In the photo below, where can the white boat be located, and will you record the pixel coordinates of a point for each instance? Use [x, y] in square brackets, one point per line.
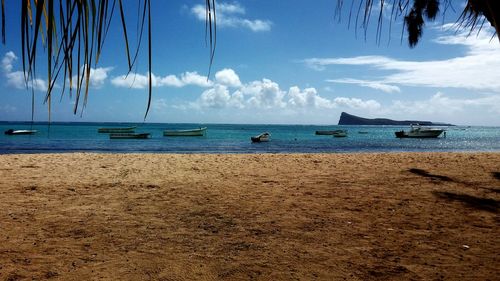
[261, 138]
[417, 131]
[20, 132]
[186, 133]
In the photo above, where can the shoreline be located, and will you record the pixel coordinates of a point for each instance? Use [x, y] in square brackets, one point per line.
[149, 153]
[323, 216]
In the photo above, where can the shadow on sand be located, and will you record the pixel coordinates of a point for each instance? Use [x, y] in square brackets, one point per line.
[426, 174]
[496, 175]
[486, 204]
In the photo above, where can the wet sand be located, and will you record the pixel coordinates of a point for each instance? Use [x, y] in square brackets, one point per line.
[397, 216]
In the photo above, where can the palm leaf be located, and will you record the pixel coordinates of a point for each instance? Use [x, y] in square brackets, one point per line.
[73, 33]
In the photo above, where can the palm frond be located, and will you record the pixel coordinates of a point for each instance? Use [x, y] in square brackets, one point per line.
[73, 33]
[414, 13]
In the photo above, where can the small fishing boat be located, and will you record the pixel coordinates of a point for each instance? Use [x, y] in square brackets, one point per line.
[20, 132]
[129, 135]
[328, 132]
[261, 138]
[117, 130]
[417, 131]
[185, 133]
[340, 134]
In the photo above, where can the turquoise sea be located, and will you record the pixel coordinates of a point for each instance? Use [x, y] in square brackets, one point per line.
[235, 138]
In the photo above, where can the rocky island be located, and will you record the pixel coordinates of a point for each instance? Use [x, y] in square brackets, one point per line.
[349, 119]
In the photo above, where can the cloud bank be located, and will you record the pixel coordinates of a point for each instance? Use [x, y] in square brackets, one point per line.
[141, 81]
[229, 92]
[477, 70]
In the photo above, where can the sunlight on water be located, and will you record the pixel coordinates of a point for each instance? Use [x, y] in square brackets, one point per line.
[223, 138]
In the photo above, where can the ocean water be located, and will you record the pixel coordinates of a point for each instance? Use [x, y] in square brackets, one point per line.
[235, 138]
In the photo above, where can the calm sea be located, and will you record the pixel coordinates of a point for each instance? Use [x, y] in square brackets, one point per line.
[231, 138]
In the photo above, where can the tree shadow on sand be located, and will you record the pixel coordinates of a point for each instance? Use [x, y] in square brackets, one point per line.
[426, 174]
[486, 204]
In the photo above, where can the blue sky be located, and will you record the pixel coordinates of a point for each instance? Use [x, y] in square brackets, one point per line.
[284, 62]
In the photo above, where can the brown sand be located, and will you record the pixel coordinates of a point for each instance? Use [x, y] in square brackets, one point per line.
[410, 216]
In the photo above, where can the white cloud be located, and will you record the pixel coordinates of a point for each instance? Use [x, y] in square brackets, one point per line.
[267, 95]
[217, 97]
[228, 77]
[255, 25]
[8, 61]
[477, 69]
[230, 8]
[98, 76]
[441, 104]
[355, 103]
[134, 81]
[169, 80]
[264, 94]
[307, 98]
[16, 79]
[193, 78]
[230, 15]
[141, 81]
[370, 84]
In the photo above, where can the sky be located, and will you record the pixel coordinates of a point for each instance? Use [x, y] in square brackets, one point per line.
[276, 62]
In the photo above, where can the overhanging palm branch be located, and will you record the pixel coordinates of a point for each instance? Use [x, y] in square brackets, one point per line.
[73, 33]
[414, 13]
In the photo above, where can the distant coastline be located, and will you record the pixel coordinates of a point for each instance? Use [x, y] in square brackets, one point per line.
[349, 119]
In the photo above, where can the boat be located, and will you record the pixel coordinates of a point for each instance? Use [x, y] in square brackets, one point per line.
[329, 132]
[417, 131]
[186, 133]
[129, 135]
[340, 134]
[20, 132]
[362, 132]
[261, 138]
[117, 130]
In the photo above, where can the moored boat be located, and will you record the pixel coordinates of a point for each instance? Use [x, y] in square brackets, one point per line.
[417, 131]
[117, 130]
[328, 132]
[186, 133]
[20, 132]
[129, 135]
[340, 134]
[264, 137]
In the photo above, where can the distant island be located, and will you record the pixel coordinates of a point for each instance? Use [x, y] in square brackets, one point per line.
[349, 119]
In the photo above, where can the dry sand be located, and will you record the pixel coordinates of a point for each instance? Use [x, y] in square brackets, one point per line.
[408, 216]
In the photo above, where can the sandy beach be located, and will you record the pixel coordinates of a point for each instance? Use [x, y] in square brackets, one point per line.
[391, 216]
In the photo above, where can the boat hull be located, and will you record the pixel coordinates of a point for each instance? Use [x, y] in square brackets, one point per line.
[340, 135]
[419, 135]
[129, 136]
[12, 132]
[261, 138]
[328, 132]
[257, 139]
[185, 133]
[117, 130]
